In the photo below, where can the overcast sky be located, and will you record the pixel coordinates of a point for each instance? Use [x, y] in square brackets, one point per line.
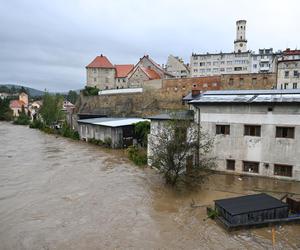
[47, 44]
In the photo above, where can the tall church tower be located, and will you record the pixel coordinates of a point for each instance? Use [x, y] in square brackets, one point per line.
[240, 43]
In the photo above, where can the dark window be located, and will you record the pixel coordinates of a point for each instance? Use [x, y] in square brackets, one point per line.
[286, 74]
[230, 81]
[252, 130]
[294, 85]
[230, 164]
[285, 132]
[250, 166]
[283, 170]
[222, 129]
[296, 74]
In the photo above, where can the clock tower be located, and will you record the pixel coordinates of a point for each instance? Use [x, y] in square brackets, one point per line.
[240, 43]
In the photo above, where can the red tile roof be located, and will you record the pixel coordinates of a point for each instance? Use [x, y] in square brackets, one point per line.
[123, 69]
[16, 104]
[100, 62]
[291, 52]
[150, 73]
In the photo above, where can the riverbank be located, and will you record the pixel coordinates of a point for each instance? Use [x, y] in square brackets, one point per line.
[64, 194]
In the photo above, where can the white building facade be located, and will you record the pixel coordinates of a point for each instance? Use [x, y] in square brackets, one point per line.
[256, 132]
[241, 61]
[176, 67]
[288, 70]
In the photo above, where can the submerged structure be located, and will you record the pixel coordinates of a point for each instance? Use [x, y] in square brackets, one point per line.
[253, 210]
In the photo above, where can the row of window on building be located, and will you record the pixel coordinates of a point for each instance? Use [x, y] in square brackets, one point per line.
[221, 69]
[255, 130]
[295, 74]
[216, 63]
[286, 85]
[253, 167]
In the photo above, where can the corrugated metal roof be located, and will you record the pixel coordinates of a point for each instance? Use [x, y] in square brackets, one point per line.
[249, 96]
[249, 203]
[112, 122]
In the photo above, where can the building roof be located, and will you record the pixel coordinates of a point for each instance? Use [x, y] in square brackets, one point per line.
[291, 52]
[190, 97]
[122, 70]
[150, 73]
[111, 122]
[248, 96]
[249, 203]
[179, 115]
[16, 104]
[100, 62]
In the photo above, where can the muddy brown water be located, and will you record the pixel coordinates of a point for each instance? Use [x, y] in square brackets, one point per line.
[56, 193]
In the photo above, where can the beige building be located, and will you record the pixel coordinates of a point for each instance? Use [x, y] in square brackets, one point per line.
[101, 73]
[146, 69]
[177, 67]
[288, 70]
[16, 105]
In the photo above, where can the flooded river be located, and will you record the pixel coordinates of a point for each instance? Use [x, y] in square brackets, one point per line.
[60, 194]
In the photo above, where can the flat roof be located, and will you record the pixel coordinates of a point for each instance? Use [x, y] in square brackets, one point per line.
[249, 203]
[248, 96]
[112, 122]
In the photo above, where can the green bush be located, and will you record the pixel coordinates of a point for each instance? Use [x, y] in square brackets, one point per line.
[138, 156]
[66, 131]
[90, 91]
[96, 142]
[23, 118]
[37, 124]
[107, 142]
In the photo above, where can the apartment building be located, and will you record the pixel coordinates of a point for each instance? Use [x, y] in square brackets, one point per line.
[177, 67]
[240, 61]
[288, 70]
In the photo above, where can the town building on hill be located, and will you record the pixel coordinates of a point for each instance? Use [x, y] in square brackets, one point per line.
[101, 73]
[147, 69]
[288, 70]
[241, 61]
[177, 67]
[122, 72]
[16, 105]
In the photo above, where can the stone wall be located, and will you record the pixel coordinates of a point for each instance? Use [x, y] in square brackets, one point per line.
[248, 81]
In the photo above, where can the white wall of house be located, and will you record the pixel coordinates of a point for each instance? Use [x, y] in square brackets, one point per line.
[266, 149]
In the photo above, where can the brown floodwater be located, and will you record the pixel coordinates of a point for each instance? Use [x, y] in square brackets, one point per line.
[56, 193]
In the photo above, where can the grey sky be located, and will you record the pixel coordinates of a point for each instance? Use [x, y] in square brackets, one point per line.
[47, 44]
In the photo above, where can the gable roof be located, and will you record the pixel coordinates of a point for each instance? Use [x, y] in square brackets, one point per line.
[154, 64]
[100, 62]
[122, 70]
[152, 74]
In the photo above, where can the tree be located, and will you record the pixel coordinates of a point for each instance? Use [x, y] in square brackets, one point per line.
[72, 96]
[142, 129]
[23, 118]
[51, 110]
[5, 111]
[174, 147]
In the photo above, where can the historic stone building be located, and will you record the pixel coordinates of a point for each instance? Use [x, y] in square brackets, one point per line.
[101, 73]
[146, 69]
[288, 70]
[177, 67]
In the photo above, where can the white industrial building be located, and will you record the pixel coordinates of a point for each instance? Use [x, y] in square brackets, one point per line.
[257, 132]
